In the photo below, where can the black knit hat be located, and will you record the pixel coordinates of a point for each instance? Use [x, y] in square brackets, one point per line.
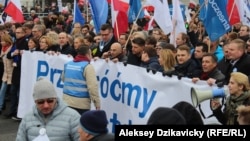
[191, 115]
[94, 122]
[166, 116]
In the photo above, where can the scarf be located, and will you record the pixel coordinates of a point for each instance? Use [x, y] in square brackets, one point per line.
[80, 58]
[4, 48]
[232, 103]
[204, 76]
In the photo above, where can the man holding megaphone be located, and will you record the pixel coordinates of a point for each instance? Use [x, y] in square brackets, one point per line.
[239, 91]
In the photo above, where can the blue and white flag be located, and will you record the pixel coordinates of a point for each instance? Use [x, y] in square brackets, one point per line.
[215, 18]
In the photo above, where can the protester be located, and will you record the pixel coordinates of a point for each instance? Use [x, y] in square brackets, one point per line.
[6, 43]
[239, 60]
[80, 83]
[16, 54]
[49, 117]
[167, 61]
[199, 51]
[210, 71]
[239, 95]
[186, 67]
[115, 53]
[64, 46]
[149, 59]
[33, 44]
[166, 116]
[93, 126]
[108, 39]
[243, 115]
[191, 115]
[134, 58]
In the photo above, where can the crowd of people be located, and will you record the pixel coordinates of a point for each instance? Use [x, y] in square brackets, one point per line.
[222, 62]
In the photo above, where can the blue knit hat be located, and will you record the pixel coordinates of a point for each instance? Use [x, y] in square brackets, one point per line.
[94, 122]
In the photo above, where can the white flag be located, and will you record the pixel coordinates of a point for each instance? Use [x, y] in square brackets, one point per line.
[244, 11]
[178, 21]
[162, 15]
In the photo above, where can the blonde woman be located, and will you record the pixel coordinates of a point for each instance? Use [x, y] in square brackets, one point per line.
[167, 60]
[76, 30]
[78, 41]
[6, 42]
[45, 43]
[239, 95]
[54, 40]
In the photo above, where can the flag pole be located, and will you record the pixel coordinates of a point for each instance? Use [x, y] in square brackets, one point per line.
[86, 6]
[231, 15]
[198, 10]
[231, 11]
[131, 31]
[117, 30]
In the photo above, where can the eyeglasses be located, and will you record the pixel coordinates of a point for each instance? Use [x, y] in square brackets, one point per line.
[158, 48]
[42, 101]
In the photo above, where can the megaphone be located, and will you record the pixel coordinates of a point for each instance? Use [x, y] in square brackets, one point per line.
[199, 96]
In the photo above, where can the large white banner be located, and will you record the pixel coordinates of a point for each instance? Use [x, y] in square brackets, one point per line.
[128, 93]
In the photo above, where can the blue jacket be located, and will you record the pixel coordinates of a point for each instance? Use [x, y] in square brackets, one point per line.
[61, 125]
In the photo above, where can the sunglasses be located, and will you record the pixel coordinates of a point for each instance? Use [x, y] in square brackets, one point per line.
[42, 101]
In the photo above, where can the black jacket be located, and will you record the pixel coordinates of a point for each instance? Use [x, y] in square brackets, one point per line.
[188, 69]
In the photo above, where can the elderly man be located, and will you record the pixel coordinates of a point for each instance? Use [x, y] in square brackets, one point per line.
[50, 118]
[65, 47]
[115, 53]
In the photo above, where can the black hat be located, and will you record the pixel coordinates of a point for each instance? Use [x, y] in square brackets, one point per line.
[166, 116]
[94, 122]
[191, 115]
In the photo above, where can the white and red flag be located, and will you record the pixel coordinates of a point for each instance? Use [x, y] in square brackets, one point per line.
[232, 12]
[14, 10]
[119, 17]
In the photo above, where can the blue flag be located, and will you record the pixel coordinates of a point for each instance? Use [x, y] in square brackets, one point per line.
[99, 10]
[214, 17]
[78, 18]
[135, 10]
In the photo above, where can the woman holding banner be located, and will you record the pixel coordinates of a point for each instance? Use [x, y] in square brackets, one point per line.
[239, 95]
[6, 43]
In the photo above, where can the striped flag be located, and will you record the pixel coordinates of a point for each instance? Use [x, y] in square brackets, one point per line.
[119, 18]
[232, 12]
[14, 10]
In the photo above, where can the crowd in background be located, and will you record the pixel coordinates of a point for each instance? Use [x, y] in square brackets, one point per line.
[193, 55]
